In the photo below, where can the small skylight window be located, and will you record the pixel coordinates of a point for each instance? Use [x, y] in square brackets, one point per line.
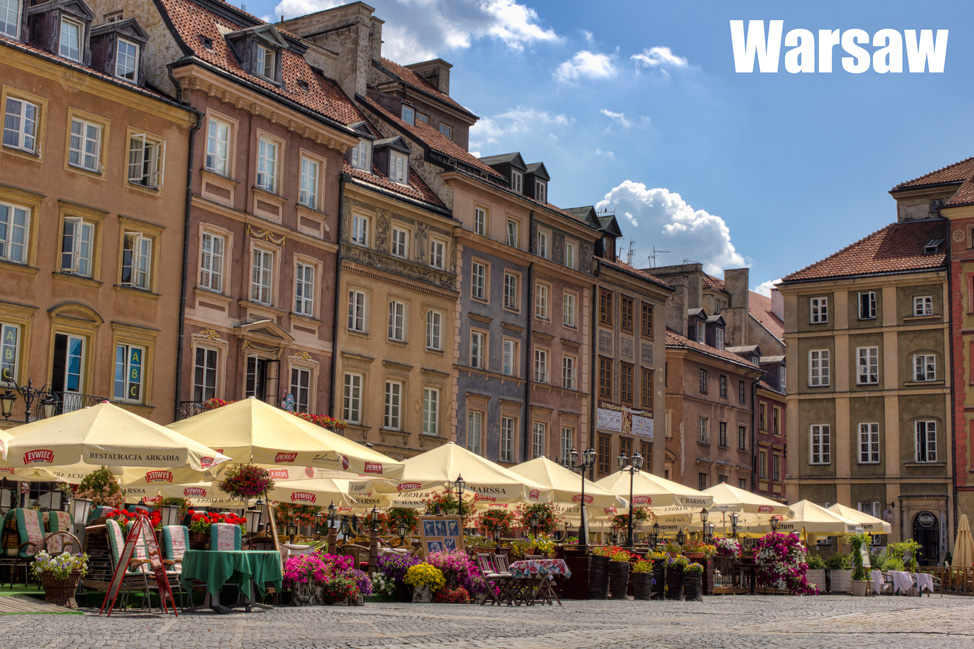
[932, 246]
[303, 85]
[207, 42]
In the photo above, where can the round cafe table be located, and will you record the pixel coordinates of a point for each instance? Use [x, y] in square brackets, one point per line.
[242, 568]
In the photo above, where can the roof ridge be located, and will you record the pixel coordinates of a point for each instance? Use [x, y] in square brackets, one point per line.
[913, 182]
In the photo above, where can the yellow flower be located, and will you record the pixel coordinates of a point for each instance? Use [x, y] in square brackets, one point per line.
[425, 574]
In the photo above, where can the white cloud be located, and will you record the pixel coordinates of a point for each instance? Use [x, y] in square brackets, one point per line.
[618, 118]
[587, 65]
[605, 154]
[517, 122]
[416, 30]
[588, 36]
[668, 222]
[658, 57]
[764, 288]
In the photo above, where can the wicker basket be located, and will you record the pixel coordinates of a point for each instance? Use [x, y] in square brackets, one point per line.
[642, 585]
[598, 578]
[61, 591]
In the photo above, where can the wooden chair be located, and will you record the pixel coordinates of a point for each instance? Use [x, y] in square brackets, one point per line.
[175, 540]
[136, 577]
[494, 577]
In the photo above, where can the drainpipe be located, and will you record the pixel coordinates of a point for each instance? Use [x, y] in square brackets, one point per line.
[184, 282]
[338, 298]
[528, 365]
[594, 372]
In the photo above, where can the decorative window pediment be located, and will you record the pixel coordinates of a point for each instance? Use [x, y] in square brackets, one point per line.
[259, 50]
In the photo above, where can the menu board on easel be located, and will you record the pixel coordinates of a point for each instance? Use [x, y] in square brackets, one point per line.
[439, 534]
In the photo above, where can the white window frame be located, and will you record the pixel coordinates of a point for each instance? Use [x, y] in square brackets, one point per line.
[15, 233]
[397, 321]
[447, 131]
[508, 425]
[866, 304]
[212, 260]
[304, 289]
[22, 116]
[123, 57]
[567, 442]
[65, 22]
[819, 444]
[268, 164]
[510, 357]
[703, 430]
[434, 330]
[219, 135]
[392, 406]
[362, 155]
[480, 221]
[818, 310]
[262, 276]
[206, 376]
[540, 365]
[478, 281]
[517, 182]
[922, 305]
[79, 259]
[78, 150]
[867, 364]
[701, 333]
[360, 229]
[512, 291]
[869, 443]
[541, 301]
[266, 62]
[300, 388]
[539, 431]
[544, 244]
[310, 181]
[478, 351]
[408, 114]
[140, 260]
[569, 310]
[513, 233]
[358, 305]
[146, 160]
[570, 260]
[10, 341]
[352, 398]
[541, 191]
[437, 254]
[399, 167]
[818, 368]
[719, 337]
[475, 431]
[924, 367]
[12, 9]
[925, 440]
[127, 367]
[400, 242]
[568, 372]
[431, 412]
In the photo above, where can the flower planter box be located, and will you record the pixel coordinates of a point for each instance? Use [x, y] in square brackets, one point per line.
[692, 587]
[674, 584]
[816, 577]
[659, 579]
[598, 578]
[841, 581]
[642, 585]
[860, 588]
[619, 579]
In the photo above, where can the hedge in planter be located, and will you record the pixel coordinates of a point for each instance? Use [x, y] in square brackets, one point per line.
[619, 574]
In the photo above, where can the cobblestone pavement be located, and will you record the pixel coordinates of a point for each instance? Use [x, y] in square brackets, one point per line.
[728, 621]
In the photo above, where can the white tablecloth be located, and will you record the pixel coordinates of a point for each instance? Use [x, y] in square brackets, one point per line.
[878, 582]
[902, 581]
[924, 582]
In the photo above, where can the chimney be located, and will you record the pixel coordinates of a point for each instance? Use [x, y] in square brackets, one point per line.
[736, 285]
[436, 72]
[777, 304]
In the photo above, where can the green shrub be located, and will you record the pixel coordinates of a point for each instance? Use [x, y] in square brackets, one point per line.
[838, 562]
[815, 562]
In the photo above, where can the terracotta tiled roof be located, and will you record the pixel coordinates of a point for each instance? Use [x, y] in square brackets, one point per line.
[760, 308]
[955, 173]
[676, 341]
[896, 248]
[767, 386]
[417, 189]
[626, 268]
[417, 82]
[964, 195]
[432, 138]
[193, 22]
[712, 282]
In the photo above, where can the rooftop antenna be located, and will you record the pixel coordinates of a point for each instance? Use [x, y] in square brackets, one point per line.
[652, 257]
[629, 256]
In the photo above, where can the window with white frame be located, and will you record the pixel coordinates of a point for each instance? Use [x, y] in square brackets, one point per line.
[212, 247]
[701, 333]
[480, 221]
[84, 150]
[146, 157]
[304, 289]
[922, 304]
[541, 301]
[408, 114]
[869, 443]
[719, 338]
[362, 155]
[218, 146]
[568, 372]
[267, 157]
[437, 254]
[820, 444]
[20, 122]
[398, 167]
[762, 465]
[867, 305]
[310, 179]
[431, 411]
[9, 353]
[569, 310]
[69, 44]
[447, 131]
[10, 18]
[926, 440]
[478, 343]
[567, 442]
[127, 60]
[136, 261]
[360, 229]
[776, 468]
[478, 281]
[77, 245]
[205, 373]
[352, 398]
[422, 117]
[541, 365]
[266, 62]
[517, 182]
[818, 310]
[924, 367]
[541, 191]
[400, 243]
[397, 321]
[868, 364]
[511, 291]
[538, 433]
[507, 439]
[509, 364]
[513, 229]
[392, 416]
[475, 431]
[570, 254]
[357, 304]
[818, 368]
[262, 276]
[434, 329]
[301, 388]
[544, 247]
[14, 228]
[873, 508]
[703, 430]
[129, 361]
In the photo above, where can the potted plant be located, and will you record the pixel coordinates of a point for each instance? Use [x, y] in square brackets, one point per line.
[598, 575]
[425, 580]
[693, 582]
[395, 567]
[200, 522]
[674, 576]
[839, 573]
[659, 571]
[860, 576]
[246, 481]
[642, 579]
[102, 489]
[619, 574]
[816, 572]
[59, 575]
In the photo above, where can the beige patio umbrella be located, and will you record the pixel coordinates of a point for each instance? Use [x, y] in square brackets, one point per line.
[807, 518]
[868, 523]
[963, 555]
[199, 494]
[653, 491]
[728, 498]
[5, 438]
[108, 435]
[438, 469]
[251, 431]
[565, 484]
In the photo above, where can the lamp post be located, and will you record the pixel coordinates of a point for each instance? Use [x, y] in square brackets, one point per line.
[170, 515]
[775, 522]
[681, 538]
[345, 528]
[80, 508]
[654, 540]
[633, 466]
[402, 530]
[586, 463]
[253, 518]
[291, 530]
[332, 528]
[459, 483]
[734, 516]
[533, 521]
[30, 394]
[709, 531]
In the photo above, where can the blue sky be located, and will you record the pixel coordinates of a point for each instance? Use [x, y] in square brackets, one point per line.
[636, 106]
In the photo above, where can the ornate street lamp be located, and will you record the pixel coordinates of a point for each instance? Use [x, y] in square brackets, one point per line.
[402, 530]
[345, 528]
[375, 519]
[170, 515]
[654, 539]
[253, 517]
[291, 530]
[533, 521]
[459, 483]
[734, 517]
[586, 463]
[709, 527]
[775, 522]
[633, 467]
[681, 537]
[30, 394]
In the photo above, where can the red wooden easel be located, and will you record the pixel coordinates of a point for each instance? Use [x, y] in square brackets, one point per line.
[155, 561]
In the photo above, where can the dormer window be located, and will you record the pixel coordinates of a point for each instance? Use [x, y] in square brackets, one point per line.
[10, 18]
[398, 167]
[408, 114]
[701, 333]
[69, 45]
[720, 338]
[446, 130]
[423, 117]
[541, 191]
[127, 60]
[362, 155]
[266, 62]
[517, 182]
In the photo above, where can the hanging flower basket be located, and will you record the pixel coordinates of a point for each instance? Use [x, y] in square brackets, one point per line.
[246, 481]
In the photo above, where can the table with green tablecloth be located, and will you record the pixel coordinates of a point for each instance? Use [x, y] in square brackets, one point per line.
[242, 567]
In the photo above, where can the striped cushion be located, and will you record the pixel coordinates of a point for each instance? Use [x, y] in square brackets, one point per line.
[224, 537]
[175, 541]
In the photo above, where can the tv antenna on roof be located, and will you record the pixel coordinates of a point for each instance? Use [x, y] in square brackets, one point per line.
[629, 256]
[652, 257]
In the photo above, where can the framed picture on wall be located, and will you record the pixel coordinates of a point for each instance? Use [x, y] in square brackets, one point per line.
[439, 534]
